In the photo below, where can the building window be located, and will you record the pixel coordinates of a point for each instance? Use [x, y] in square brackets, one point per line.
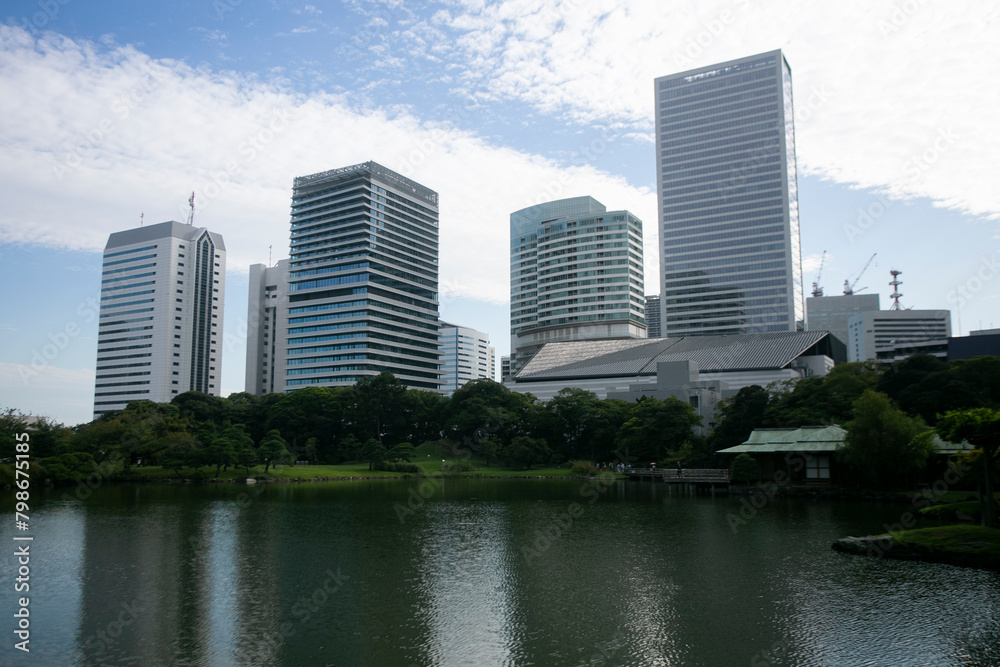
[817, 467]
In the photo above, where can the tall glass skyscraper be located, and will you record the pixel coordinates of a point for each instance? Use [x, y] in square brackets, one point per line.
[730, 254]
[359, 293]
[575, 274]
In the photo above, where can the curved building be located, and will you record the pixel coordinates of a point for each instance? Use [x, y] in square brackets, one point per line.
[575, 274]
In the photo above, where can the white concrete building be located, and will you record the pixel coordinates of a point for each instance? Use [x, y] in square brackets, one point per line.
[619, 368]
[886, 334]
[466, 354]
[160, 331]
[268, 295]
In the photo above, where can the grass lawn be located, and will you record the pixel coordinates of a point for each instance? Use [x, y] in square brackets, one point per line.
[431, 457]
[960, 540]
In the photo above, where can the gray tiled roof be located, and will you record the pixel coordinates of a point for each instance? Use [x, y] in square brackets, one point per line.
[638, 356]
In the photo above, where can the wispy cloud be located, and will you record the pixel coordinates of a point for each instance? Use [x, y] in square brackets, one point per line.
[117, 133]
[868, 115]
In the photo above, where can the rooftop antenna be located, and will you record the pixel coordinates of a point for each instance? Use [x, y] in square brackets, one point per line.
[269, 256]
[142, 217]
[191, 204]
[817, 290]
[895, 283]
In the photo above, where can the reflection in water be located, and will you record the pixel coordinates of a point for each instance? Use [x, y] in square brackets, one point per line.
[483, 572]
[466, 581]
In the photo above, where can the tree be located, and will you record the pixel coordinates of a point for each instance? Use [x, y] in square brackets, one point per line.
[882, 443]
[574, 411]
[981, 428]
[655, 427]
[373, 452]
[739, 416]
[379, 408]
[272, 449]
[745, 469]
[246, 457]
[524, 451]
[221, 452]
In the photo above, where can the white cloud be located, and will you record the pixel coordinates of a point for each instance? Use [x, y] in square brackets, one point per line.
[888, 95]
[94, 137]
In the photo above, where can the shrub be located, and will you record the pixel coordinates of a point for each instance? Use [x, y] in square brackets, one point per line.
[744, 469]
[455, 467]
[584, 468]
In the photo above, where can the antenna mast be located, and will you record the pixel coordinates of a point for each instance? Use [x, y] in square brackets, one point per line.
[191, 214]
[895, 283]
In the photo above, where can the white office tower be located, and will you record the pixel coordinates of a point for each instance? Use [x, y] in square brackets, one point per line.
[466, 354]
[160, 330]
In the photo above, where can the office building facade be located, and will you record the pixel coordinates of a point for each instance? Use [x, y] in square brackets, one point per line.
[359, 294]
[654, 326]
[891, 335]
[161, 315]
[576, 273]
[466, 354]
[832, 313]
[730, 256]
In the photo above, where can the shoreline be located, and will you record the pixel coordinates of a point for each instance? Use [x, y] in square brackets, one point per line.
[961, 545]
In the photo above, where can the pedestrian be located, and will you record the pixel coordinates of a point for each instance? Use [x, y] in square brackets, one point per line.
[680, 470]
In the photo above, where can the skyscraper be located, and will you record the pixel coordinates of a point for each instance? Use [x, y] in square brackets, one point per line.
[575, 274]
[160, 330]
[466, 354]
[730, 254]
[359, 294]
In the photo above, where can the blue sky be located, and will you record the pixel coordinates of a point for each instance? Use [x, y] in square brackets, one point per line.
[112, 110]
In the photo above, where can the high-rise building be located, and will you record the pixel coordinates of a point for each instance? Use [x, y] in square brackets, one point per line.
[831, 313]
[890, 335]
[466, 354]
[575, 274]
[268, 295]
[160, 332]
[654, 328]
[359, 293]
[730, 254]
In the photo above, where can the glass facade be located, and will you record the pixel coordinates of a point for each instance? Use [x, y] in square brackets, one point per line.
[363, 273]
[575, 272]
[730, 252]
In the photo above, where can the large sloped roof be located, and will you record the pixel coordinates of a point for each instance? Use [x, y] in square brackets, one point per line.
[638, 356]
[805, 439]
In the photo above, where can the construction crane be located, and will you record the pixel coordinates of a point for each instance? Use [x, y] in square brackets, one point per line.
[849, 286]
[817, 290]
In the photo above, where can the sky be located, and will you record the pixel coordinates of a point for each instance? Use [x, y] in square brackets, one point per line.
[113, 113]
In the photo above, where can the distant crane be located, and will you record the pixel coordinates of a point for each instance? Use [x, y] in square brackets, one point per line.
[817, 290]
[191, 204]
[849, 286]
